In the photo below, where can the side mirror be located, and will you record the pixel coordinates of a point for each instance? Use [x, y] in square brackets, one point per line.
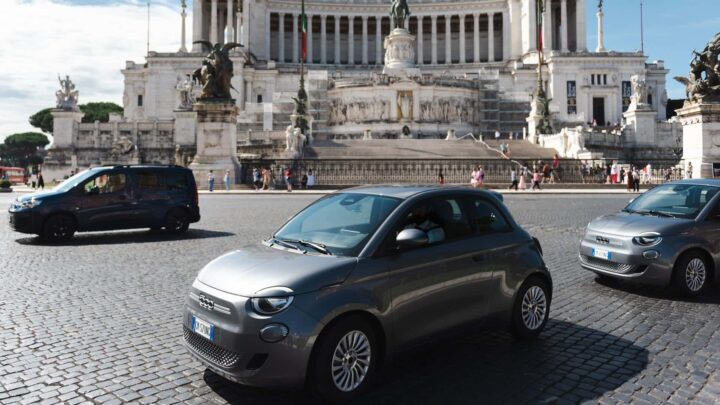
[409, 238]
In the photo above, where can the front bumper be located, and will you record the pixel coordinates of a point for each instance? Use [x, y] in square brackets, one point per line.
[22, 221]
[626, 260]
[237, 352]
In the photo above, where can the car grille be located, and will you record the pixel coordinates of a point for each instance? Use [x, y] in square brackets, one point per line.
[210, 351]
[607, 265]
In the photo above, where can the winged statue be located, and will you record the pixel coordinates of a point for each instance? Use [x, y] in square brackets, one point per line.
[216, 71]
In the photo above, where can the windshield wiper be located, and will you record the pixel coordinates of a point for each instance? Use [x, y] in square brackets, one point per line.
[317, 246]
[281, 242]
[655, 212]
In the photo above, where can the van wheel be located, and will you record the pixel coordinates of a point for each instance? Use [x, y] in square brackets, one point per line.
[58, 228]
[176, 222]
[532, 308]
[691, 274]
[344, 361]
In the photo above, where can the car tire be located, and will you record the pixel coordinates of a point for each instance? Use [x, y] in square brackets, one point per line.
[346, 351]
[691, 274]
[531, 309]
[176, 222]
[58, 228]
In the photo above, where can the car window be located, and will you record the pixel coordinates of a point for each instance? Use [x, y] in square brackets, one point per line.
[442, 218]
[487, 218]
[105, 183]
[176, 181]
[676, 199]
[148, 180]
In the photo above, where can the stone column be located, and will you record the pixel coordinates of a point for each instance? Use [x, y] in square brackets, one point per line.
[197, 25]
[419, 52]
[241, 89]
[351, 40]
[462, 38]
[580, 29]
[532, 24]
[364, 40]
[476, 37]
[281, 37]
[336, 39]
[506, 40]
[309, 59]
[238, 26]
[600, 45]
[323, 39]
[515, 22]
[295, 39]
[448, 40]
[433, 40]
[547, 28]
[183, 15]
[491, 37]
[230, 31]
[248, 92]
[246, 25]
[378, 41]
[267, 36]
[214, 21]
[563, 26]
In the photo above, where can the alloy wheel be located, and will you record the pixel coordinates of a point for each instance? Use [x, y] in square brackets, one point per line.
[534, 307]
[351, 361]
[695, 275]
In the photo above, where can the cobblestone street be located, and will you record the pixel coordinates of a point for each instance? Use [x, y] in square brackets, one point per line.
[99, 320]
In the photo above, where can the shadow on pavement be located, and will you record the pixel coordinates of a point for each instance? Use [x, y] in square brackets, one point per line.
[136, 236]
[568, 362]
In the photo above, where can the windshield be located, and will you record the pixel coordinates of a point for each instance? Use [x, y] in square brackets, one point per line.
[341, 223]
[677, 200]
[73, 181]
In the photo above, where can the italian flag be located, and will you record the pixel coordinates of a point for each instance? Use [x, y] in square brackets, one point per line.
[303, 28]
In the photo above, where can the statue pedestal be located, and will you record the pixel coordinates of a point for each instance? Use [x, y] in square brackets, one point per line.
[61, 159]
[701, 138]
[216, 142]
[643, 120]
[400, 54]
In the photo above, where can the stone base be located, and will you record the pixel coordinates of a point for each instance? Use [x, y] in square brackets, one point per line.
[202, 170]
[400, 53]
[701, 138]
[643, 121]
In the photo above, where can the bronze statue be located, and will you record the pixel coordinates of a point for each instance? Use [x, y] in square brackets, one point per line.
[703, 82]
[399, 10]
[216, 72]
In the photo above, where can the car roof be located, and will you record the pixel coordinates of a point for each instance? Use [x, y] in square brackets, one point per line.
[405, 191]
[149, 166]
[699, 182]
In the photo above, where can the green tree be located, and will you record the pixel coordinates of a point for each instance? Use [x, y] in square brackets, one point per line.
[43, 119]
[21, 149]
[99, 111]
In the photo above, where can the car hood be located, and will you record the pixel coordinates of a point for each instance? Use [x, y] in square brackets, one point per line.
[627, 224]
[39, 196]
[251, 269]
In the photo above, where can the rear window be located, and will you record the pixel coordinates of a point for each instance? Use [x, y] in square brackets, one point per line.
[177, 181]
[148, 180]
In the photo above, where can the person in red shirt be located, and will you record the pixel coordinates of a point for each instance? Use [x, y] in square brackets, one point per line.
[289, 178]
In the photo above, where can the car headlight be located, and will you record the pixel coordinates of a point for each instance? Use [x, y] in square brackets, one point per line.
[647, 239]
[278, 299]
[33, 202]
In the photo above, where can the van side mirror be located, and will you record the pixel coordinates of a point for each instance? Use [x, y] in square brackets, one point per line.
[409, 238]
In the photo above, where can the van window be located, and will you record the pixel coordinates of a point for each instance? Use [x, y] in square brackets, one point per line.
[176, 181]
[148, 180]
[105, 183]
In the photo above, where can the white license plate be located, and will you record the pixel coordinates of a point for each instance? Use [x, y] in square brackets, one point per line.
[602, 254]
[203, 328]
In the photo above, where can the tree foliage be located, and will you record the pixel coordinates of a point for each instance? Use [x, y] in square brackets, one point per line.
[21, 149]
[99, 111]
[43, 120]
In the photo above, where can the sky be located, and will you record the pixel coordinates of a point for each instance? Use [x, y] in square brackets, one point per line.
[90, 40]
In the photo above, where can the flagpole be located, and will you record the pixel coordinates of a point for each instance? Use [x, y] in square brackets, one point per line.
[148, 27]
[642, 39]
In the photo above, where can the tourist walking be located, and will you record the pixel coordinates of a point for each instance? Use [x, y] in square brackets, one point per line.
[668, 174]
[257, 179]
[289, 179]
[536, 178]
[265, 178]
[613, 173]
[310, 179]
[33, 180]
[636, 180]
[441, 178]
[303, 181]
[41, 181]
[211, 181]
[226, 180]
[523, 175]
[477, 177]
[513, 179]
[629, 178]
[689, 171]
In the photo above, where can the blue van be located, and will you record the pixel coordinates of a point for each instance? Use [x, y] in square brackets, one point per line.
[108, 198]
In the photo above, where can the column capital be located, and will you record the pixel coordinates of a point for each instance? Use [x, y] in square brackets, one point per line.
[323, 17]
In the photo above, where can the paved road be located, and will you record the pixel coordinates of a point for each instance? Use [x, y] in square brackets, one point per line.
[99, 320]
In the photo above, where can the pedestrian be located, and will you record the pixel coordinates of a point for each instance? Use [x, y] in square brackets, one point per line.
[622, 175]
[441, 178]
[636, 180]
[474, 177]
[630, 181]
[613, 173]
[536, 180]
[289, 179]
[608, 173]
[555, 172]
[523, 175]
[211, 181]
[41, 181]
[311, 179]
[265, 178]
[546, 173]
[648, 173]
[257, 179]
[33, 180]
[226, 180]
[668, 174]
[303, 181]
[497, 135]
[513, 179]
[689, 171]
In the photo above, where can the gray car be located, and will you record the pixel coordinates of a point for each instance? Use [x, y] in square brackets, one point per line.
[357, 276]
[668, 235]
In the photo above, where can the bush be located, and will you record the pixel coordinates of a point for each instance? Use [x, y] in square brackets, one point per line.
[5, 183]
